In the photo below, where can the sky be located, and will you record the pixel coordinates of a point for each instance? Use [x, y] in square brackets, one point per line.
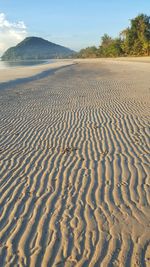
[73, 23]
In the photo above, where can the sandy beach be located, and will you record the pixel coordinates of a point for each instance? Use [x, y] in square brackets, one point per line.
[74, 165]
[11, 74]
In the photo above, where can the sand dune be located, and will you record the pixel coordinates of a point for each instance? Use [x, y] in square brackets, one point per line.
[74, 168]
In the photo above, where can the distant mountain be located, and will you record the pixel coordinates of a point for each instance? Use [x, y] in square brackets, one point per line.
[36, 48]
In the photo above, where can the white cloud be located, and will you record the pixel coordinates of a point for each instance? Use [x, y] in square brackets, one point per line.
[10, 32]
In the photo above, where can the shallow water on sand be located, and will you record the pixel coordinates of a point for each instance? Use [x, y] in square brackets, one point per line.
[23, 63]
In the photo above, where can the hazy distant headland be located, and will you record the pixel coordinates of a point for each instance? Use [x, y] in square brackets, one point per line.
[35, 48]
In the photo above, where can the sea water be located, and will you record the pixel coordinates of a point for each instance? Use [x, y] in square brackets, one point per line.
[23, 63]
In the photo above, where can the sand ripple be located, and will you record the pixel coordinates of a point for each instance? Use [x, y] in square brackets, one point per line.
[74, 168]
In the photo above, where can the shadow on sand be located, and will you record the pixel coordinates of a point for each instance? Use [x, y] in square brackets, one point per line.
[12, 83]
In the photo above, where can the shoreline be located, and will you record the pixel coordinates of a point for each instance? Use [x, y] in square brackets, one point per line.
[25, 73]
[15, 74]
[23, 80]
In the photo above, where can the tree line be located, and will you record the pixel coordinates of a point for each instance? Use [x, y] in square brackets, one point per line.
[132, 41]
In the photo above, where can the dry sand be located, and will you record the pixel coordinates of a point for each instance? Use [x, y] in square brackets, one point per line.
[74, 168]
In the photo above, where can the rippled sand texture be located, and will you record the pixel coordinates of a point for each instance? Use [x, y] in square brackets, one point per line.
[74, 168]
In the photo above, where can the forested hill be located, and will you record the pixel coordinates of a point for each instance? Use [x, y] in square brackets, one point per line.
[132, 41]
[36, 48]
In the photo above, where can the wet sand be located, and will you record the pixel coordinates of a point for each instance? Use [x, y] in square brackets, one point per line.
[11, 74]
[74, 167]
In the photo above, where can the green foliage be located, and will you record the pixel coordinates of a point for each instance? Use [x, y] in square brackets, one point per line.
[133, 41]
[91, 52]
[136, 39]
[111, 47]
[106, 40]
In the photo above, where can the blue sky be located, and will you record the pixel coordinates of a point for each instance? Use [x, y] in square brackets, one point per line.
[73, 23]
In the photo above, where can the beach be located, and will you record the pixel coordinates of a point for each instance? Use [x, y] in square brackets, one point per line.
[74, 164]
[25, 72]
